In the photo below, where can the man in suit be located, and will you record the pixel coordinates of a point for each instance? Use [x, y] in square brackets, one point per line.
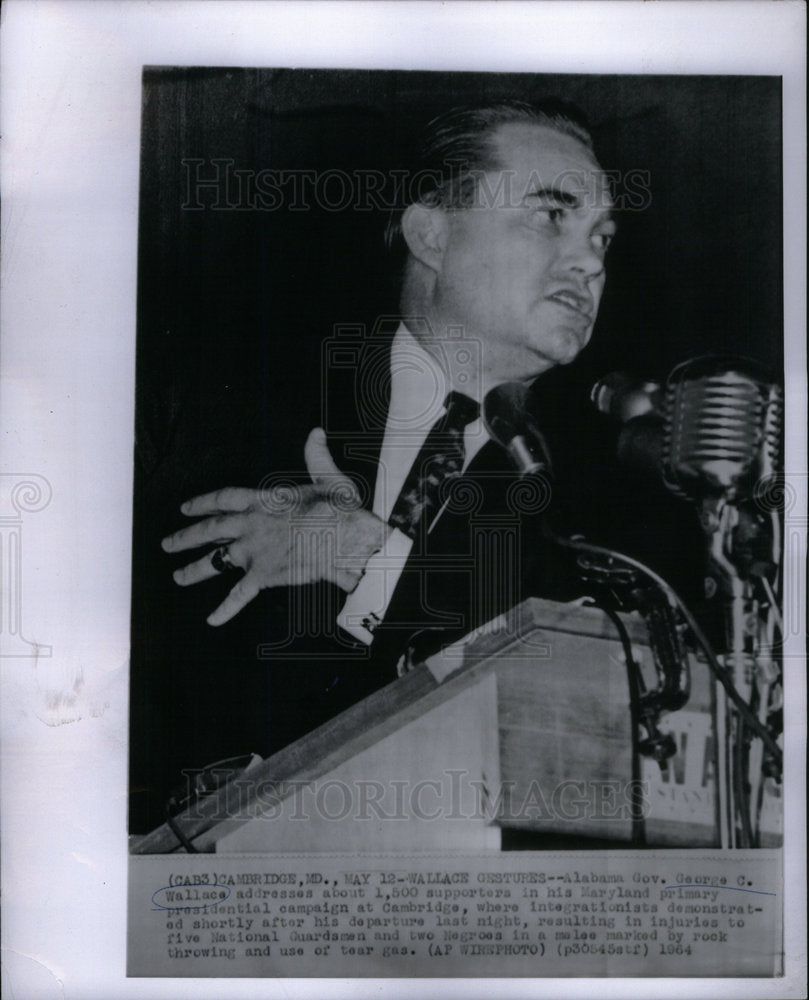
[409, 531]
[506, 253]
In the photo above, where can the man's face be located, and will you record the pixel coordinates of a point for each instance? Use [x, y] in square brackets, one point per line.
[523, 269]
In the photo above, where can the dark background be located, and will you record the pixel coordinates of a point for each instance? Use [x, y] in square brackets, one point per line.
[235, 302]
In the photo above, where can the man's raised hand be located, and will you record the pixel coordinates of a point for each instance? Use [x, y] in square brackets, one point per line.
[285, 536]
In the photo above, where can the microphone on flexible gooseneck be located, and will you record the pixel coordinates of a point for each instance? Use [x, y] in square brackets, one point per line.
[507, 420]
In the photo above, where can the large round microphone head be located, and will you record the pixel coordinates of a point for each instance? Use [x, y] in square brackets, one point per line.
[722, 419]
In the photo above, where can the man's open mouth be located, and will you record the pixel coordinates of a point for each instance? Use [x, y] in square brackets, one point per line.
[574, 301]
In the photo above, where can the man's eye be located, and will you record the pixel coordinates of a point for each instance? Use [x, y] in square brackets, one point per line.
[549, 213]
[602, 241]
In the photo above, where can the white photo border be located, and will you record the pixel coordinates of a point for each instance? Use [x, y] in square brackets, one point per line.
[71, 104]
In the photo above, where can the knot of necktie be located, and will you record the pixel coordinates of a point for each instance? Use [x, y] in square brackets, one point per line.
[461, 410]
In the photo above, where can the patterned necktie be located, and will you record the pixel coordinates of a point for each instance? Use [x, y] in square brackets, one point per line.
[440, 459]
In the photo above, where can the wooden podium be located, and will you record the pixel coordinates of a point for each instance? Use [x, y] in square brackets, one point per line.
[525, 725]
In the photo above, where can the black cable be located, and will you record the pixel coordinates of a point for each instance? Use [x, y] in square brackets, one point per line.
[634, 678]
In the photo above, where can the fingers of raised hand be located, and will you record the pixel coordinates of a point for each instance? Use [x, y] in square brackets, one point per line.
[331, 482]
[219, 528]
[316, 454]
[230, 500]
[318, 540]
[204, 568]
[239, 597]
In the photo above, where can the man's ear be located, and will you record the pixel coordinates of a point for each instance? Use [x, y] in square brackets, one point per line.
[425, 232]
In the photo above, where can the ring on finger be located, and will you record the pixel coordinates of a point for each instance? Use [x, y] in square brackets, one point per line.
[221, 561]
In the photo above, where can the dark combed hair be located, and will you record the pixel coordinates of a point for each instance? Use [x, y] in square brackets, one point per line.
[456, 147]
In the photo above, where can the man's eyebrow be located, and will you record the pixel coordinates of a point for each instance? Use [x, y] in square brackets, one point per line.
[554, 194]
[565, 198]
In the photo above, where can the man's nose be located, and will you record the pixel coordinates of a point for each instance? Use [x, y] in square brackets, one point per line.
[581, 256]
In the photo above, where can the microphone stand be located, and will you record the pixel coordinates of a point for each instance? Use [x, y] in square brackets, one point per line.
[732, 531]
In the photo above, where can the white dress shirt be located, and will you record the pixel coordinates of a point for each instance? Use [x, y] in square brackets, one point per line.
[418, 389]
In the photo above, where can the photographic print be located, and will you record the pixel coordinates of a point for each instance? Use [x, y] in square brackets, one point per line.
[477, 425]
[403, 499]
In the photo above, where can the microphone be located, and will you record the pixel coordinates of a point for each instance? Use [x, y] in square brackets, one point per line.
[714, 427]
[637, 404]
[507, 420]
[624, 397]
[722, 421]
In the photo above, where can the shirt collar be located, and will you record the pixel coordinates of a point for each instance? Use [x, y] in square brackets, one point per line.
[418, 385]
